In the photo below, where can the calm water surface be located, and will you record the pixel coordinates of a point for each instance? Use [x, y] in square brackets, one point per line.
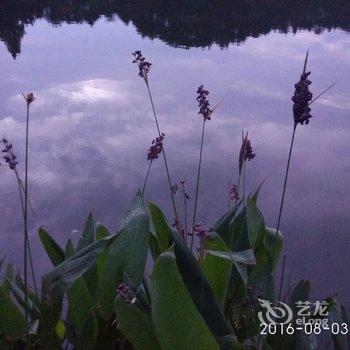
[92, 123]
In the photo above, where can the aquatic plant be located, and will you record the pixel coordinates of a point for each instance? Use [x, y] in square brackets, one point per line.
[100, 295]
[11, 161]
[144, 68]
[302, 99]
[205, 111]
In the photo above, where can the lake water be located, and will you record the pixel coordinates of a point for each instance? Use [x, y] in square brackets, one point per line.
[91, 124]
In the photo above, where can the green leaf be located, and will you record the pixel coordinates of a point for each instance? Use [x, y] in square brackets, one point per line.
[79, 303]
[65, 274]
[255, 224]
[239, 259]
[240, 238]
[69, 250]
[10, 271]
[88, 235]
[19, 295]
[161, 227]
[199, 289]
[12, 321]
[176, 319]
[154, 246]
[88, 335]
[53, 250]
[127, 255]
[136, 325]
[217, 270]
[87, 238]
[224, 226]
[273, 244]
[255, 195]
[50, 311]
[101, 231]
[245, 256]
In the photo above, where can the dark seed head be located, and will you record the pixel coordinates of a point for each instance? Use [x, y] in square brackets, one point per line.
[156, 148]
[246, 152]
[203, 103]
[301, 98]
[144, 66]
[29, 98]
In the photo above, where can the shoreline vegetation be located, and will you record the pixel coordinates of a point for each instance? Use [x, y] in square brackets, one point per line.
[181, 24]
[208, 288]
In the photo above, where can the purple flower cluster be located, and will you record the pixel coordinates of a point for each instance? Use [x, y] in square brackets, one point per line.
[125, 292]
[203, 235]
[144, 66]
[203, 103]
[233, 192]
[201, 232]
[156, 148]
[8, 154]
[301, 98]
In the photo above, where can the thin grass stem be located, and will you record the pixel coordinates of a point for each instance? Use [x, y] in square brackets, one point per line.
[238, 185]
[282, 277]
[197, 184]
[244, 183]
[164, 156]
[322, 93]
[28, 242]
[146, 178]
[285, 180]
[185, 214]
[283, 196]
[26, 230]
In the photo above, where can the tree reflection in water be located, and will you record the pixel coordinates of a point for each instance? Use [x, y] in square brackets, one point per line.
[180, 23]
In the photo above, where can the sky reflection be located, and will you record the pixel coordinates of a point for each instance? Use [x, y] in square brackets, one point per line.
[92, 124]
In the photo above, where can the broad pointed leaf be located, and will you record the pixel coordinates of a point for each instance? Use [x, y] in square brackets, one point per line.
[177, 322]
[53, 250]
[200, 290]
[12, 321]
[136, 325]
[161, 227]
[127, 255]
[216, 269]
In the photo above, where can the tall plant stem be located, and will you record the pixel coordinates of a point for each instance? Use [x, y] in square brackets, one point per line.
[26, 230]
[164, 156]
[28, 243]
[283, 196]
[185, 214]
[238, 185]
[197, 184]
[244, 184]
[146, 178]
[282, 277]
[285, 180]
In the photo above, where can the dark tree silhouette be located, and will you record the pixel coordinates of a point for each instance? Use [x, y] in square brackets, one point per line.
[180, 23]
